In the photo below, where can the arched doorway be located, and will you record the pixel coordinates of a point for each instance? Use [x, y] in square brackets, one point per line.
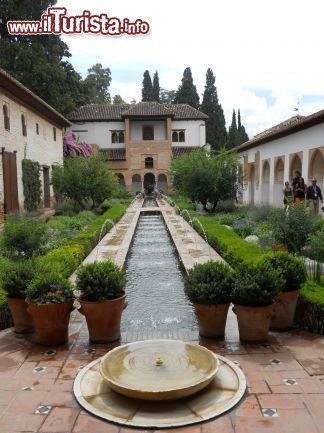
[265, 183]
[279, 182]
[149, 182]
[316, 169]
[162, 184]
[136, 183]
[295, 164]
[121, 181]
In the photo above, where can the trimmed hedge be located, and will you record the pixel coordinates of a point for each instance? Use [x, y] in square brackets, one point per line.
[69, 256]
[237, 252]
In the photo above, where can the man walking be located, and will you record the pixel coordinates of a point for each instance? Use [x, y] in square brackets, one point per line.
[313, 195]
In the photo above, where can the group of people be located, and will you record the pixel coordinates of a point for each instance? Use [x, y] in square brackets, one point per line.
[299, 192]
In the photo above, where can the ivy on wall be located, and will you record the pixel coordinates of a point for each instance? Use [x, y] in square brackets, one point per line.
[31, 184]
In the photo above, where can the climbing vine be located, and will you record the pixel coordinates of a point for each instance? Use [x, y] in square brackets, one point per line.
[31, 184]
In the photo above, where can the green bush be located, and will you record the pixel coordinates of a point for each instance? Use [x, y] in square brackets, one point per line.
[257, 285]
[66, 207]
[31, 184]
[245, 230]
[50, 288]
[209, 283]
[292, 227]
[23, 237]
[18, 277]
[227, 219]
[100, 281]
[69, 256]
[291, 269]
[226, 206]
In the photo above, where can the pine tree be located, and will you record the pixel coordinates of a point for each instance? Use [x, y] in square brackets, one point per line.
[232, 132]
[216, 134]
[147, 88]
[156, 88]
[242, 135]
[187, 92]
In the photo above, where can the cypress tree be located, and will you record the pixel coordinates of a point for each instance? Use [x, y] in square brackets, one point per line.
[216, 134]
[187, 91]
[147, 87]
[232, 132]
[156, 88]
[242, 135]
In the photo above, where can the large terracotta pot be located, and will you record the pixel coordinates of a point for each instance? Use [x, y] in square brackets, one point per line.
[253, 322]
[103, 319]
[211, 319]
[284, 310]
[51, 322]
[23, 321]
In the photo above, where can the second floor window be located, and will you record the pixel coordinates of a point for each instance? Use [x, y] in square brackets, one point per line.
[23, 126]
[178, 136]
[54, 134]
[149, 162]
[6, 118]
[117, 137]
[148, 133]
[37, 128]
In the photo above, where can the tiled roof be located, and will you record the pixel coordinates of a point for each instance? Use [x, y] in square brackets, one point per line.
[97, 112]
[114, 154]
[289, 126]
[182, 150]
[10, 84]
[143, 109]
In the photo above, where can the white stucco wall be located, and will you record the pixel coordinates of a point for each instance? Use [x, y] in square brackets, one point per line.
[98, 132]
[41, 148]
[302, 141]
[195, 132]
[136, 128]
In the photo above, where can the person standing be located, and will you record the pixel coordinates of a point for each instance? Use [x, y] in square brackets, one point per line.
[299, 188]
[314, 194]
[288, 194]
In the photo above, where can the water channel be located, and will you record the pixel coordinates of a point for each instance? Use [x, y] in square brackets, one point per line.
[155, 280]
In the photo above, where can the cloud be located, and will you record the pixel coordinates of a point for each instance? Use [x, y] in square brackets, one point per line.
[252, 47]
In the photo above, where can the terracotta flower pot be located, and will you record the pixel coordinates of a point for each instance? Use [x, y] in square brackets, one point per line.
[253, 322]
[211, 319]
[103, 319]
[23, 321]
[284, 310]
[51, 322]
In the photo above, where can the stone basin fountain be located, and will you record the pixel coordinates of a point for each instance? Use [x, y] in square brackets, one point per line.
[159, 369]
[159, 384]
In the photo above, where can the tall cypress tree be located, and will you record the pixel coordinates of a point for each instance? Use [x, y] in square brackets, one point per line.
[242, 135]
[147, 87]
[187, 91]
[232, 132]
[156, 88]
[216, 134]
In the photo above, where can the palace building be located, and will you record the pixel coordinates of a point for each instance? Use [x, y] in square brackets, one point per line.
[140, 140]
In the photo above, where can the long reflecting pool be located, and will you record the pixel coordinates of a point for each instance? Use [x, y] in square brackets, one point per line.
[155, 281]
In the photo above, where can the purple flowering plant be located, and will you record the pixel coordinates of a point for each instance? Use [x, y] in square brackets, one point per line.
[73, 147]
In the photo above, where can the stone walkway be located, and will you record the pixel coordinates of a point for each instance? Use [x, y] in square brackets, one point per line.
[285, 376]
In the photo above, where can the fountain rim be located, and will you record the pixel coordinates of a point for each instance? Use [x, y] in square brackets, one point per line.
[205, 380]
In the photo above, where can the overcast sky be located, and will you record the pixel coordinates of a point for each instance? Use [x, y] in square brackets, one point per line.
[266, 55]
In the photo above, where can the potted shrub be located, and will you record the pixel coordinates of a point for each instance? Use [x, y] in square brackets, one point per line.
[102, 299]
[209, 287]
[254, 292]
[15, 282]
[294, 273]
[50, 298]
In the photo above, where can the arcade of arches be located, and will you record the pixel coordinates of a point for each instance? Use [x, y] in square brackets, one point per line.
[268, 175]
[148, 182]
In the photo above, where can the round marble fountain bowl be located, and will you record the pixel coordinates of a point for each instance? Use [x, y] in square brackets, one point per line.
[159, 369]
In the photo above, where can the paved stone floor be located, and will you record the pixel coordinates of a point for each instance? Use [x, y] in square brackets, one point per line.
[285, 383]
